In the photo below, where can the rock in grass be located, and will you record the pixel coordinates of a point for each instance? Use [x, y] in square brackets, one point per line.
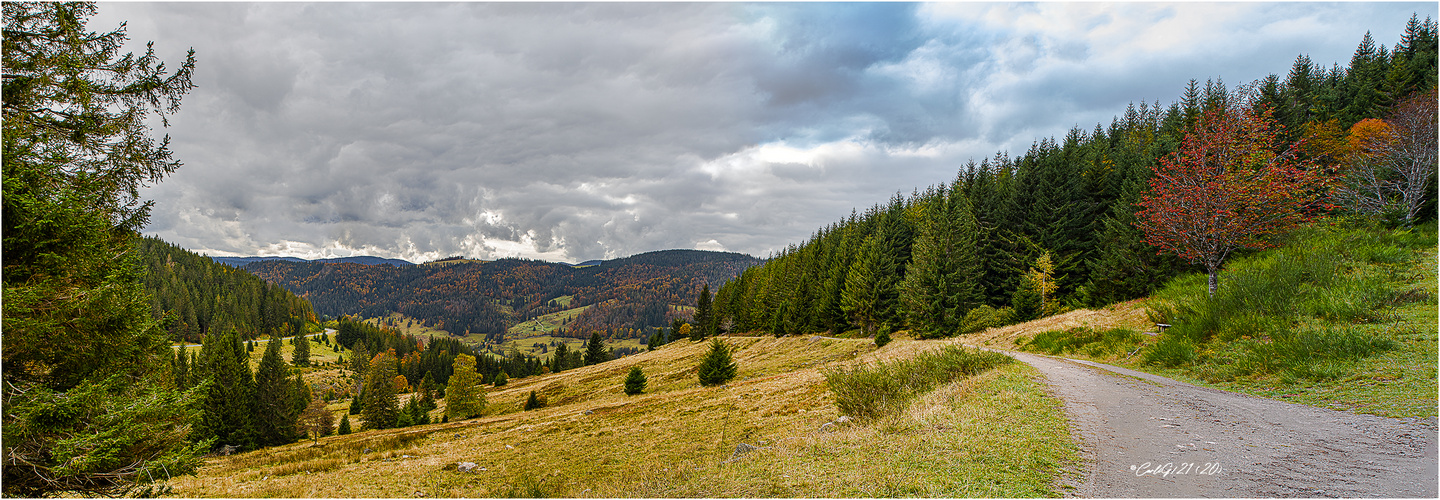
[465, 466]
[743, 448]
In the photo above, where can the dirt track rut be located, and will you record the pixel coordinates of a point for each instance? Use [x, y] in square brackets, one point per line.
[1150, 436]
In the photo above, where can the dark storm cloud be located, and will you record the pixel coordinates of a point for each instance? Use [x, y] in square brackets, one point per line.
[580, 131]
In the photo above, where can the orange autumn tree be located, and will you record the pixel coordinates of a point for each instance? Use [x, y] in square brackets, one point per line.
[1226, 188]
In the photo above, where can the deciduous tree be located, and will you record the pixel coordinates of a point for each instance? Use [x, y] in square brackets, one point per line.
[1226, 189]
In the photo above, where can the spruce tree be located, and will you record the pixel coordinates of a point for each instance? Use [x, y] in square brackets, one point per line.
[635, 381]
[704, 315]
[463, 398]
[226, 406]
[939, 286]
[559, 361]
[595, 352]
[301, 356]
[533, 402]
[871, 276]
[182, 368]
[344, 425]
[274, 420]
[501, 379]
[882, 338]
[382, 406]
[717, 367]
[360, 363]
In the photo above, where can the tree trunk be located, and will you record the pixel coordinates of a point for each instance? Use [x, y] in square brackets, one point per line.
[1214, 280]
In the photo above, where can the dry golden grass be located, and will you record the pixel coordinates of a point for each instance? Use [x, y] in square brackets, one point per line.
[996, 434]
[1122, 315]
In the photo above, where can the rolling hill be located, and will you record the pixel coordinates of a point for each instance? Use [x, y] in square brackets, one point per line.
[475, 297]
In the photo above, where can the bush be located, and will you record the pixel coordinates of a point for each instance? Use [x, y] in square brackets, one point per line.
[882, 338]
[871, 392]
[984, 317]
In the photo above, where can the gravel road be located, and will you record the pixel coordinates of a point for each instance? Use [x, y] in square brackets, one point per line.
[1148, 436]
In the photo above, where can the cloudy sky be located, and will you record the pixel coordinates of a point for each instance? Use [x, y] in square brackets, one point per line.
[569, 132]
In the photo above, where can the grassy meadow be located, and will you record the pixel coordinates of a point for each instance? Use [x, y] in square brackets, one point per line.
[1341, 318]
[993, 434]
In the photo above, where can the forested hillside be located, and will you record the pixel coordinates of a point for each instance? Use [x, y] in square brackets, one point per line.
[190, 294]
[488, 297]
[1014, 238]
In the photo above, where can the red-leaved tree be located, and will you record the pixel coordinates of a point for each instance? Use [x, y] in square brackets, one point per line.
[1226, 188]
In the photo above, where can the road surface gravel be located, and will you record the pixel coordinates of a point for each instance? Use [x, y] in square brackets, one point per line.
[1148, 436]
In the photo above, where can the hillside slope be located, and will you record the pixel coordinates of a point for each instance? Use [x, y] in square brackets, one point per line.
[680, 439]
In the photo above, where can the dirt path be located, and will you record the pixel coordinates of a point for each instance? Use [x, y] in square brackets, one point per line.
[1150, 436]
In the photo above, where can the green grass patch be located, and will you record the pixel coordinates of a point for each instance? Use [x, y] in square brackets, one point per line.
[1338, 317]
[1101, 343]
[867, 392]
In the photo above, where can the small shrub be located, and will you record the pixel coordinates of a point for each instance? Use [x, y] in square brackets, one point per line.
[882, 338]
[501, 379]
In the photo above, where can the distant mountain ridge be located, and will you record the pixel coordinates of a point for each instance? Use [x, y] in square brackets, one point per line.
[470, 296]
[361, 259]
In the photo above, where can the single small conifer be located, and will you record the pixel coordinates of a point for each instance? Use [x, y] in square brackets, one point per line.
[635, 382]
[344, 425]
[533, 402]
[882, 338]
[717, 367]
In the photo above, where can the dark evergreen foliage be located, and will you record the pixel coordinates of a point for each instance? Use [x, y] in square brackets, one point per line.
[533, 402]
[89, 409]
[635, 381]
[717, 367]
[274, 393]
[595, 352]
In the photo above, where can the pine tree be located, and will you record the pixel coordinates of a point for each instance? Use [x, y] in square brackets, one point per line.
[274, 421]
[533, 402]
[501, 379]
[635, 381]
[382, 406]
[595, 352]
[301, 356]
[463, 398]
[717, 367]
